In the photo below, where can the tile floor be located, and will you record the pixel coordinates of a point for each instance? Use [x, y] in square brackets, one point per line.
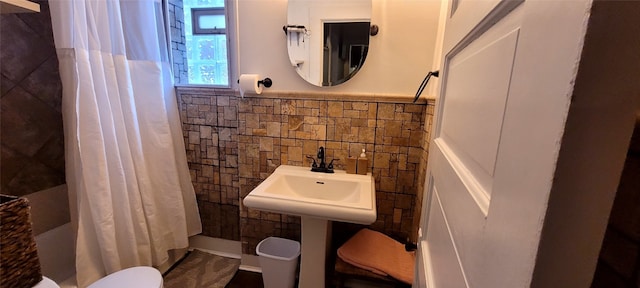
[246, 279]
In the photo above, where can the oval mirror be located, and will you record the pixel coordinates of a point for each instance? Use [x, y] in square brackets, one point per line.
[328, 40]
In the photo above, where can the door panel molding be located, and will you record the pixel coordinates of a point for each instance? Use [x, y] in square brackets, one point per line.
[449, 273]
[477, 97]
[471, 185]
[496, 238]
[487, 13]
[459, 139]
[424, 273]
[464, 218]
[484, 35]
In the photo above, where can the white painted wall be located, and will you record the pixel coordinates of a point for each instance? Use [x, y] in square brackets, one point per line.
[53, 232]
[49, 208]
[56, 252]
[399, 56]
[434, 83]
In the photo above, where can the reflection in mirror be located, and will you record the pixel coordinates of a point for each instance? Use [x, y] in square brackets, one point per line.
[328, 40]
[345, 47]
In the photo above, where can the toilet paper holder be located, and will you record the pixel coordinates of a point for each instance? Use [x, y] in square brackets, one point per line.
[266, 82]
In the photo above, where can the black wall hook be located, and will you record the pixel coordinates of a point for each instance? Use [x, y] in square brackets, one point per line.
[424, 83]
[373, 30]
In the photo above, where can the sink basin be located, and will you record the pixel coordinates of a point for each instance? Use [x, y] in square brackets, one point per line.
[298, 191]
[318, 198]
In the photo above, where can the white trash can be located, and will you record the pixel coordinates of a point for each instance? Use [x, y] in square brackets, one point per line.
[279, 260]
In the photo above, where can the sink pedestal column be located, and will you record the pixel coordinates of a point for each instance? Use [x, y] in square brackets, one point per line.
[316, 238]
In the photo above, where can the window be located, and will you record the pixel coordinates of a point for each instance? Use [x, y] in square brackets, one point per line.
[204, 43]
[208, 21]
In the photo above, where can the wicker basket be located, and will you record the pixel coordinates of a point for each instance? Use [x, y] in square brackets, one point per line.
[19, 264]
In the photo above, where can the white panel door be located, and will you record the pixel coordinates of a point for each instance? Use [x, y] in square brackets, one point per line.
[507, 76]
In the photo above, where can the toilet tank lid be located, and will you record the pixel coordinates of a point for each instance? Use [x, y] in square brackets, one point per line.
[140, 277]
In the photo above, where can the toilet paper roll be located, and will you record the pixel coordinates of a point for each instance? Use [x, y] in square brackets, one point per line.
[249, 84]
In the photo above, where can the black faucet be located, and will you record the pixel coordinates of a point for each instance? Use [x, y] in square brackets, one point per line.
[321, 158]
[322, 166]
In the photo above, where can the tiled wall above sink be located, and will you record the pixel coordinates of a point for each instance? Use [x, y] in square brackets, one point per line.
[233, 144]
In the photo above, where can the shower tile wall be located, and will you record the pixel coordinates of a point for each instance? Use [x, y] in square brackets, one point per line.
[427, 128]
[31, 90]
[233, 144]
[178, 40]
[210, 129]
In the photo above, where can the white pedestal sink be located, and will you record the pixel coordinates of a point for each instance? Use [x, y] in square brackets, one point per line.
[318, 198]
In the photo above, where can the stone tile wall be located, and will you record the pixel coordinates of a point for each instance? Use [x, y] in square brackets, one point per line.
[178, 40]
[270, 130]
[428, 127]
[211, 136]
[31, 140]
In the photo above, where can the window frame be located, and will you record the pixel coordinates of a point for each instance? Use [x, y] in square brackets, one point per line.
[215, 11]
[231, 43]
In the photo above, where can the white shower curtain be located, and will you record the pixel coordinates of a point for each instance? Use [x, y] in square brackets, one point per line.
[125, 156]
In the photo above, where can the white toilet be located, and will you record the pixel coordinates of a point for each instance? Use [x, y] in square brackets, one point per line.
[139, 277]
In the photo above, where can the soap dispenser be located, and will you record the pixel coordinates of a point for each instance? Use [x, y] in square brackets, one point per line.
[363, 163]
[352, 163]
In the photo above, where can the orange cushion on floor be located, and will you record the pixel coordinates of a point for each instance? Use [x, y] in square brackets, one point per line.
[378, 253]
